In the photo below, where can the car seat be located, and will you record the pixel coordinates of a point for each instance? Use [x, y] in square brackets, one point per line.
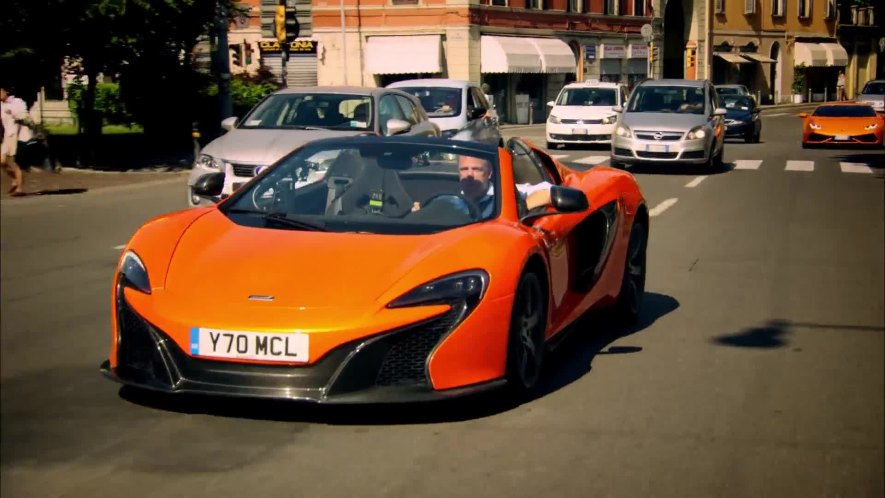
[307, 114]
[342, 172]
[376, 190]
[361, 112]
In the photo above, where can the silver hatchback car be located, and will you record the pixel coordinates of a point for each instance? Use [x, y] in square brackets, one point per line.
[289, 118]
[670, 121]
[459, 108]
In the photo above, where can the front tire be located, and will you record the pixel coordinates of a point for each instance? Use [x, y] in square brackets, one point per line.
[629, 302]
[526, 343]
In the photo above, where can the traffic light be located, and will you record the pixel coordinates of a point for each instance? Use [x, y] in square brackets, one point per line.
[248, 50]
[286, 27]
[237, 54]
[292, 27]
[692, 58]
[279, 23]
[653, 53]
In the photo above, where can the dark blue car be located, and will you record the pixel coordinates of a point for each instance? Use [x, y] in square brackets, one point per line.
[741, 117]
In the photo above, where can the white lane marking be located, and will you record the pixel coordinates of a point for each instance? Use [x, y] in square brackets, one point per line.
[747, 163]
[121, 246]
[855, 168]
[776, 114]
[558, 156]
[660, 208]
[694, 183]
[800, 166]
[592, 159]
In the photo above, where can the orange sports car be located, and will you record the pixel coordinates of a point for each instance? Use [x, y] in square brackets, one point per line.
[846, 123]
[377, 269]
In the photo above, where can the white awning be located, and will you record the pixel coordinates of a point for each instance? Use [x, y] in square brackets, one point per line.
[556, 56]
[836, 55]
[733, 58]
[403, 54]
[757, 57]
[509, 54]
[810, 54]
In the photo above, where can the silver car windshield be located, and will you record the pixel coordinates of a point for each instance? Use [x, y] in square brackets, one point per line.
[311, 111]
[587, 97]
[676, 99]
[438, 102]
[874, 88]
[371, 187]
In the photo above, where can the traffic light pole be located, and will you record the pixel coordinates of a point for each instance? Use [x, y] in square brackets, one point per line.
[222, 62]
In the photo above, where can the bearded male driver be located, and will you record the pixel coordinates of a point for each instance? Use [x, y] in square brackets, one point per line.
[475, 174]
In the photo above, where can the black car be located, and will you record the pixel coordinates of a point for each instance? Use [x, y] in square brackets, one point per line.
[741, 117]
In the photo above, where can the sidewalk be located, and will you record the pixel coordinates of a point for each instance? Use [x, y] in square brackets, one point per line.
[77, 181]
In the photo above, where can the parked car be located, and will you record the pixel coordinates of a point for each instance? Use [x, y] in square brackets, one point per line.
[741, 117]
[873, 93]
[289, 118]
[458, 107]
[733, 90]
[670, 121]
[844, 123]
[582, 113]
[371, 299]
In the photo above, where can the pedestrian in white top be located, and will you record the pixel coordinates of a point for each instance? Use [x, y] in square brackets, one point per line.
[840, 86]
[15, 120]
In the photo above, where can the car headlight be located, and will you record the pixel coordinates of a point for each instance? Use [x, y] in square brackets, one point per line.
[554, 119]
[208, 161]
[814, 126]
[870, 127]
[466, 287]
[134, 273]
[609, 119]
[697, 133]
[623, 131]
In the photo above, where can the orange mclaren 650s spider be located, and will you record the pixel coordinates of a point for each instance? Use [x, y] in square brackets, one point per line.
[846, 123]
[377, 269]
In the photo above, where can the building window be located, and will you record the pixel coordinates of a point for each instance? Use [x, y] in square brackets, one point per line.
[777, 8]
[831, 9]
[574, 5]
[749, 6]
[719, 8]
[500, 3]
[622, 7]
[609, 8]
[535, 4]
[639, 7]
[805, 8]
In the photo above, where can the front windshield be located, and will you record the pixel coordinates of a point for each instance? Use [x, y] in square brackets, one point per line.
[588, 97]
[675, 99]
[845, 111]
[300, 111]
[372, 186]
[728, 90]
[737, 103]
[437, 101]
[874, 88]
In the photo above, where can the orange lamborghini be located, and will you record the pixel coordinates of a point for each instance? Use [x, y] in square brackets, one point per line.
[377, 269]
[846, 123]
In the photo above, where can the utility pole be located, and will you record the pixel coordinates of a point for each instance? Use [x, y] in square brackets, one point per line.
[222, 62]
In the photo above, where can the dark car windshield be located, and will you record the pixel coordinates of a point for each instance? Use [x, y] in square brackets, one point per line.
[730, 90]
[370, 186]
[437, 101]
[677, 99]
[874, 88]
[845, 111]
[294, 111]
[588, 97]
[737, 103]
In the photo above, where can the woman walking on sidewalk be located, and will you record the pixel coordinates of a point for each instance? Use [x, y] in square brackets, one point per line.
[14, 120]
[840, 86]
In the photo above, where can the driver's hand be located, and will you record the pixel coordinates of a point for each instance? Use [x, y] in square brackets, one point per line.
[416, 206]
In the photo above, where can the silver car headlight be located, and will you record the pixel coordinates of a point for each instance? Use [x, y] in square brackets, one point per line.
[697, 133]
[134, 273]
[208, 161]
[623, 131]
[609, 119]
[554, 119]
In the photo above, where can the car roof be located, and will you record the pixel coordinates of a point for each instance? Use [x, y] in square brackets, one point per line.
[593, 84]
[433, 82]
[406, 139]
[352, 90]
[844, 104]
[675, 82]
[730, 85]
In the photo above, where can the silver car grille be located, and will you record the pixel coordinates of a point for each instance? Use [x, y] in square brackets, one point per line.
[659, 135]
[245, 170]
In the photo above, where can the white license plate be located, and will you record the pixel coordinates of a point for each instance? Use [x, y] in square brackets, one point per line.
[244, 345]
[579, 131]
[842, 137]
[656, 148]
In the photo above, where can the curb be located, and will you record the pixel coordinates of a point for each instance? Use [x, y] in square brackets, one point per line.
[175, 178]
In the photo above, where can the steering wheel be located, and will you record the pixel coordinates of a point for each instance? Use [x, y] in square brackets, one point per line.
[472, 208]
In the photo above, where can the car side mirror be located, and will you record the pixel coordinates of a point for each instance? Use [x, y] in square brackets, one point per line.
[564, 200]
[476, 113]
[551, 103]
[719, 112]
[618, 108]
[228, 124]
[209, 185]
[803, 114]
[397, 126]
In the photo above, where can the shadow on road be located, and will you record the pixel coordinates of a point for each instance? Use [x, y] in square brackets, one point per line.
[567, 363]
[775, 333]
[875, 160]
